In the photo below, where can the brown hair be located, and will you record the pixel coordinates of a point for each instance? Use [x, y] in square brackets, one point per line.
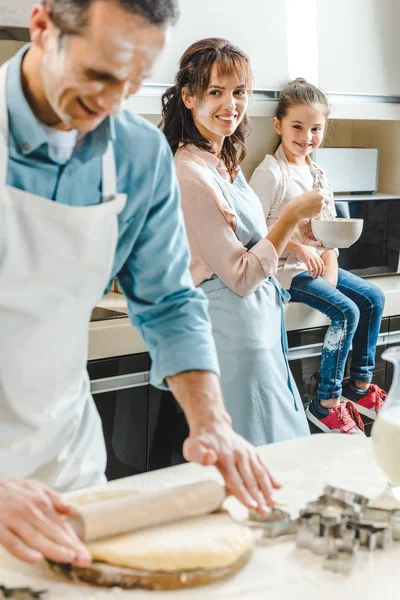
[298, 91]
[194, 74]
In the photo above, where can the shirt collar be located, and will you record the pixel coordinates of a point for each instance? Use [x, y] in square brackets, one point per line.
[210, 159]
[27, 130]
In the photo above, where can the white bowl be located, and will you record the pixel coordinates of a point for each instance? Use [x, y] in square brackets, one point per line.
[338, 233]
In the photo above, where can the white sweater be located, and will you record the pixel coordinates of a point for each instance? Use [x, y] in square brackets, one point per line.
[277, 183]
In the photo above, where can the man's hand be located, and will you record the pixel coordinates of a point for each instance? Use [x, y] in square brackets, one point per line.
[212, 440]
[310, 257]
[31, 525]
[246, 476]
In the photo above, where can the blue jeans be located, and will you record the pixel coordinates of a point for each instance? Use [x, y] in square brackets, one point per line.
[355, 308]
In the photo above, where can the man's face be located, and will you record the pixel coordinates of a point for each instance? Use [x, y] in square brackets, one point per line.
[86, 77]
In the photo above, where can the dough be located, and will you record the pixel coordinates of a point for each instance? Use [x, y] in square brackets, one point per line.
[209, 542]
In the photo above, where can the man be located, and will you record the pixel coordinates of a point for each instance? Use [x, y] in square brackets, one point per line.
[88, 197]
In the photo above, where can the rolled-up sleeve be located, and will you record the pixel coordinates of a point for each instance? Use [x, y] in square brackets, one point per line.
[213, 239]
[163, 303]
[267, 183]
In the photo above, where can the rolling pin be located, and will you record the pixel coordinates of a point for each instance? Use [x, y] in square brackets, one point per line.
[118, 515]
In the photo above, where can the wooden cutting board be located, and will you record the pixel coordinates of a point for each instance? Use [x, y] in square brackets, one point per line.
[103, 575]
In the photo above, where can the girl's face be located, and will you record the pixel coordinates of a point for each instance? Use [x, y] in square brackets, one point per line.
[222, 108]
[302, 131]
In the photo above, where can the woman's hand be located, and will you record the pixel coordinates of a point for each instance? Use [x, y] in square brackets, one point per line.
[310, 257]
[309, 204]
[31, 525]
[302, 207]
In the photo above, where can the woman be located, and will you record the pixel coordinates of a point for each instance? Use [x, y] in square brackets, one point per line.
[233, 255]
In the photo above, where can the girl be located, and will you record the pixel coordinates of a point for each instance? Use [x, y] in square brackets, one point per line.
[311, 273]
[233, 255]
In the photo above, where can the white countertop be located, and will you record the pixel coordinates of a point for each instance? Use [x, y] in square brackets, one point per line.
[117, 337]
[277, 570]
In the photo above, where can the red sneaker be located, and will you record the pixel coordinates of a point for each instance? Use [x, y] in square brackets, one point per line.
[341, 419]
[370, 404]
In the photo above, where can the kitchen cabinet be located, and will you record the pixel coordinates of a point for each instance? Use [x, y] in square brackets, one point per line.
[120, 391]
[144, 428]
[258, 28]
[167, 430]
[394, 330]
[305, 358]
[358, 44]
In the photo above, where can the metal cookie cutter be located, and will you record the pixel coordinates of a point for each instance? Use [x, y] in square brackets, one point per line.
[276, 523]
[343, 557]
[378, 516]
[308, 528]
[319, 531]
[373, 536]
[345, 496]
[396, 524]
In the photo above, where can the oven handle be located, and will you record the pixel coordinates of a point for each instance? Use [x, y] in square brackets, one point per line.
[119, 382]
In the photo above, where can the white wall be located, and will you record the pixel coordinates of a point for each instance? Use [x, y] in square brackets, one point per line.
[257, 26]
[15, 13]
[359, 47]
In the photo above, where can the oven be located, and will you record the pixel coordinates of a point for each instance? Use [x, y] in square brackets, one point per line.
[377, 252]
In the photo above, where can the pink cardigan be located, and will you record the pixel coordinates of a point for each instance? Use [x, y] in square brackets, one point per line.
[211, 223]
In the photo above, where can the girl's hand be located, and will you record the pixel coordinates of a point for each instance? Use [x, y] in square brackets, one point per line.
[309, 204]
[314, 263]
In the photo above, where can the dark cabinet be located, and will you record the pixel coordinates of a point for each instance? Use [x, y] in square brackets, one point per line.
[167, 430]
[394, 331]
[144, 428]
[121, 392]
[305, 359]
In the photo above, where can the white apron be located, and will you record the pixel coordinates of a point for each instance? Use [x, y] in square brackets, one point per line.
[55, 262]
[259, 390]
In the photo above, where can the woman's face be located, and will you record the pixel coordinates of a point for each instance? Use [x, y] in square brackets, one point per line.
[302, 131]
[222, 108]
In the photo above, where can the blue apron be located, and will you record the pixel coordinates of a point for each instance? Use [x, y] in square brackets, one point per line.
[259, 390]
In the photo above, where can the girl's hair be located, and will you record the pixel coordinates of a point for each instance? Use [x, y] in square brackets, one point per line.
[194, 74]
[298, 91]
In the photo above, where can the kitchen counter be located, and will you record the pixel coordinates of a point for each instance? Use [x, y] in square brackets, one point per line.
[277, 570]
[117, 337]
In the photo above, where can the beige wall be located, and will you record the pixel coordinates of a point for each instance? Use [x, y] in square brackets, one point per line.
[262, 137]
[384, 135]
[8, 48]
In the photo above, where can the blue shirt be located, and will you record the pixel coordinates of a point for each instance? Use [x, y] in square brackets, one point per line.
[152, 256]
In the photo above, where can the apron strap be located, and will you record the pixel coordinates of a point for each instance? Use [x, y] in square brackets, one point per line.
[3, 125]
[109, 174]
